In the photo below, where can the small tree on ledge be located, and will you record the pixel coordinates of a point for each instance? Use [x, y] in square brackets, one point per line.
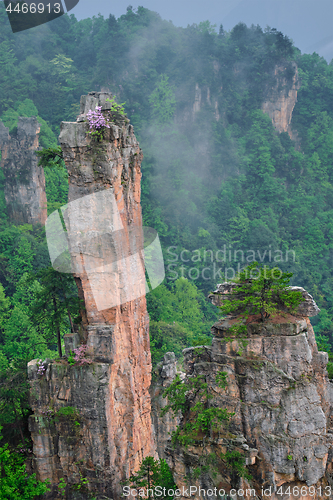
[260, 290]
[152, 473]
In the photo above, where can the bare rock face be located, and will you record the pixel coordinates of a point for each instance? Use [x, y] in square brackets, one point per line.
[66, 446]
[24, 180]
[282, 100]
[111, 394]
[308, 307]
[282, 402]
[164, 375]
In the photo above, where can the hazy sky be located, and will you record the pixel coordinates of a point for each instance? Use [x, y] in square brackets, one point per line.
[308, 22]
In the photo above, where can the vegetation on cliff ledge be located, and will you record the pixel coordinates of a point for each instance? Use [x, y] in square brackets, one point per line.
[203, 423]
[260, 291]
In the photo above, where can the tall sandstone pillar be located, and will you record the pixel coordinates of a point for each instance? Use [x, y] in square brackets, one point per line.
[111, 393]
[24, 180]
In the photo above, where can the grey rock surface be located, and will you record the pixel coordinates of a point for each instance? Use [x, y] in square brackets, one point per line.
[4, 134]
[24, 185]
[279, 392]
[164, 375]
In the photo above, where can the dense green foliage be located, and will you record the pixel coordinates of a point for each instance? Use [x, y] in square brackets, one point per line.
[192, 398]
[15, 484]
[220, 185]
[152, 473]
[179, 318]
[204, 422]
[55, 302]
[29, 292]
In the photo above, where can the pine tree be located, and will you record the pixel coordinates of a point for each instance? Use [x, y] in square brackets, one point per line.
[261, 291]
[153, 473]
[55, 302]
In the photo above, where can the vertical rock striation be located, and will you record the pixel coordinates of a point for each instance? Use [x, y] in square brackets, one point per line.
[111, 393]
[165, 372]
[24, 180]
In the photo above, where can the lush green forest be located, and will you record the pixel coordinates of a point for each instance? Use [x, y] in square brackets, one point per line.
[216, 179]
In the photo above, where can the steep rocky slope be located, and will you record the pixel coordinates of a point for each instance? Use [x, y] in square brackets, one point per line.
[281, 397]
[109, 396]
[164, 373]
[24, 180]
[279, 103]
[282, 99]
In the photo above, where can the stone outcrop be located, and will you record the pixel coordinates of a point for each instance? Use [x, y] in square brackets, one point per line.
[282, 400]
[204, 95]
[279, 103]
[164, 373]
[282, 99]
[111, 392]
[63, 449]
[307, 307]
[24, 181]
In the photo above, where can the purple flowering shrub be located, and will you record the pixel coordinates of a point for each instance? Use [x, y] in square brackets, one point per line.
[24, 447]
[24, 450]
[78, 356]
[48, 413]
[97, 122]
[41, 368]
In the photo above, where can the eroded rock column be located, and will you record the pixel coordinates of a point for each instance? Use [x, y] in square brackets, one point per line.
[24, 181]
[111, 394]
[165, 373]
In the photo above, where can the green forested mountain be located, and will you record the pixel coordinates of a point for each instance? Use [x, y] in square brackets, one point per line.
[217, 176]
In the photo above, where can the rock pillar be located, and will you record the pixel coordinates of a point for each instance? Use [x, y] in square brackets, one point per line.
[111, 392]
[24, 180]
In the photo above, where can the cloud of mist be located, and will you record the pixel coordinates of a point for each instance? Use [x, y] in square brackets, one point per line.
[179, 156]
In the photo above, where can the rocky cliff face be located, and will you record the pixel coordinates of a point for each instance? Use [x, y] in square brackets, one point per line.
[24, 180]
[204, 95]
[111, 393]
[282, 99]
[279, 104]
[282, 402]
[165, 372]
